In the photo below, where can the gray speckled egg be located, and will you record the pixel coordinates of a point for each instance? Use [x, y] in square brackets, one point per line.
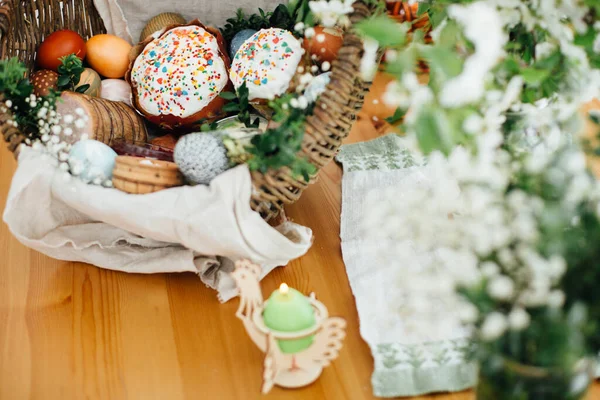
[201, 157]
[238, 40]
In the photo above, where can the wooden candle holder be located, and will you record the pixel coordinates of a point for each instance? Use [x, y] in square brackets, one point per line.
[286, 370]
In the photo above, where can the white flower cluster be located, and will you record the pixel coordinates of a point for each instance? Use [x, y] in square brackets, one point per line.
[471, 228]
[333, 12]
[483, 27]
[55, 130]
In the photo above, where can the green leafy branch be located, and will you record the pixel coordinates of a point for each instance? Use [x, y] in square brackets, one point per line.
[17, 89]
[240, 105]
[69, 74]
[284, 17]
[279, 147]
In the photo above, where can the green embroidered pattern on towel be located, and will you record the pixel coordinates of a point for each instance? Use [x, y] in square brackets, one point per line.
[385, 153]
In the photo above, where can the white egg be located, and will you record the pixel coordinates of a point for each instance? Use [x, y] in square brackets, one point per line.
[91, 160]
[116, 90]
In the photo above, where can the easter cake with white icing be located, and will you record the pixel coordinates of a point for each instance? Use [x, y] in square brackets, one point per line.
[177, 77]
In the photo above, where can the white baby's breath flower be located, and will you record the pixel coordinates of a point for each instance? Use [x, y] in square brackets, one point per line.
[489, 269]
[330, 13]
[473, 124]
[556, 299]
[325, 66]
[501, 288]
[518, 319]
[483, 27]
[302, 102]
[309, 33]
[368, 63]
[8, 103]
[68, 119]
[493, 327]
[544, 49]
[468, 313]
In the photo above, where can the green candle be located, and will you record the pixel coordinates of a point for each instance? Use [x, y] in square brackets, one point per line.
[288, 310]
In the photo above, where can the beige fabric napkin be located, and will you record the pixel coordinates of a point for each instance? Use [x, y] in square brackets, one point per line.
[201, 229]
[127, 18]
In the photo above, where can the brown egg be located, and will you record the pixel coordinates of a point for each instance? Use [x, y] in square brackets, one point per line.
[325, 44]
[43, 82]
[108, 55]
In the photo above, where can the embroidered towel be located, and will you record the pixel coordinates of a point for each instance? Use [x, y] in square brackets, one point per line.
[416, 339]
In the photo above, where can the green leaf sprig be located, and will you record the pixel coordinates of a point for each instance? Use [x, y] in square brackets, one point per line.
[279, 147]
[284, 17]
[240, 105]
[69, 74]
[17, 90]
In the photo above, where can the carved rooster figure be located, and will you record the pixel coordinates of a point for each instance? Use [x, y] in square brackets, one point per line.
[286, 370]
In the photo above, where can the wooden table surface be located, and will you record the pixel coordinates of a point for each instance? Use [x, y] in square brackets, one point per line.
[73, 331]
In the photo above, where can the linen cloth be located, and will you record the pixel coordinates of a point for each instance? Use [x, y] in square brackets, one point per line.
[416, 339]
[127, 18]
[201, 229]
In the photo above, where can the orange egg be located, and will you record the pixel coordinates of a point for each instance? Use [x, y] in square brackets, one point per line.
[108, 55]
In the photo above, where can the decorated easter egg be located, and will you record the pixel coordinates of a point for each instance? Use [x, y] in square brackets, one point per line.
[201, 157]
[238, 40]
[324, 44]
[43, 82]
[116, 90]
[58, 45]
[91, 78]
[92, 161]
[108, 55]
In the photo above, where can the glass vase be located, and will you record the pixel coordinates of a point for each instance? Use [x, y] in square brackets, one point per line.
[504, 379]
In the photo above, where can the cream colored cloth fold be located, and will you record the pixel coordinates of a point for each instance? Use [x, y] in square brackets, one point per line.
[127, 18]
[201, 229]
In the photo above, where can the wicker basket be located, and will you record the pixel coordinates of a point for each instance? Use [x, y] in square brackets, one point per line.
[21, 32]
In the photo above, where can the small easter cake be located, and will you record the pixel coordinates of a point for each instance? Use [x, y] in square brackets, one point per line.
[176, 79]
[267, 62]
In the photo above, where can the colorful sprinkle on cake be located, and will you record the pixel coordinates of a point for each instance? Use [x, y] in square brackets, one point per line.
[267, 62]
[179, 73]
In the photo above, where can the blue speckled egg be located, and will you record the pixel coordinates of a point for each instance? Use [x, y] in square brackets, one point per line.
[92, 161]
[238, 40]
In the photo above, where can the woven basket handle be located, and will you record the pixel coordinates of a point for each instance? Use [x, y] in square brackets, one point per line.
[5, 24]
